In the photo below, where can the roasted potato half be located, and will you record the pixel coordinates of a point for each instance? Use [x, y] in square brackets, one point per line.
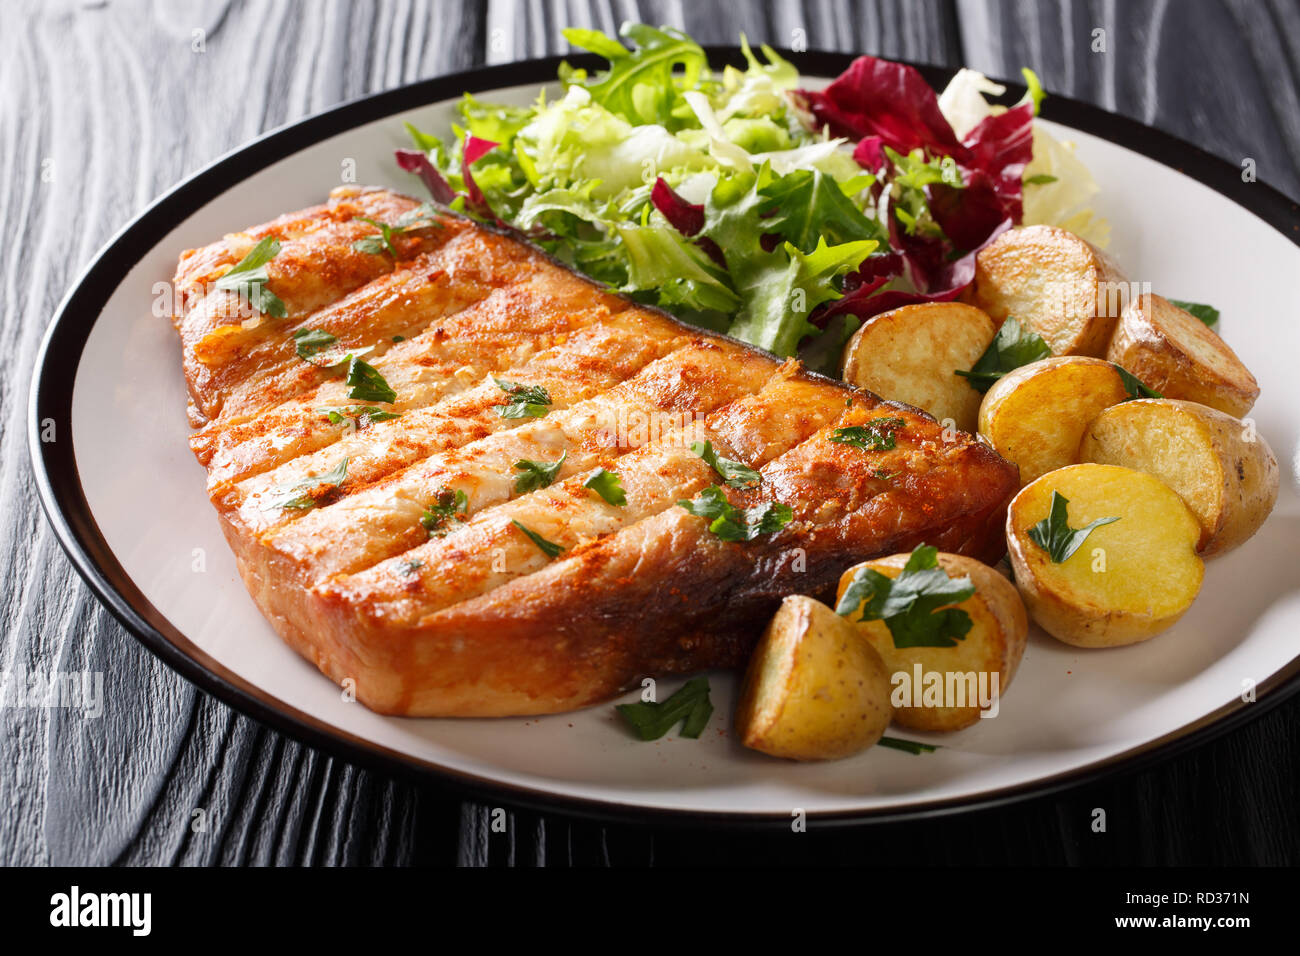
[1036, 415]
[814, 690]
[1129, 579]
[1055, 283]
[1174, 353]
[1223, 470]
[911, 354]
[993, 646]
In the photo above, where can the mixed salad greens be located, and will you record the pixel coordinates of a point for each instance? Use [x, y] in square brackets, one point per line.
[742, 203]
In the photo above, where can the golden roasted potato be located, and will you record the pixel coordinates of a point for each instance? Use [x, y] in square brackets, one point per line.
[1174, 353]
[1129, 579]
[1055, 283]
[911, 354]
[814, 690]
[1035, 415]
[994, 645]
[1222, 469]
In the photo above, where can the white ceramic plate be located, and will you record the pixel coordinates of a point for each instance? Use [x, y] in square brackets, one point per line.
[127, 500]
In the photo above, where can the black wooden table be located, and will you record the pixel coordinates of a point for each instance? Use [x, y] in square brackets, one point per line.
[105, 104]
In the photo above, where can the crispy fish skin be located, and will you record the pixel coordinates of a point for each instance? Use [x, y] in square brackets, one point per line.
[482, 622]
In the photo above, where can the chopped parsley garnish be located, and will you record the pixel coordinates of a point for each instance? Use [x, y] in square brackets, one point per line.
[689, 705]
[536, 474]
[248, 278]
[367, 384]
[911, 746]
[549, 548]
[732, 473]
[410, 566]
[309, 343]
[449, 507]
[910, 603]
[363, 415]
[1011, 348]
[1134, 386]
[879, 435]
[1055, 536]
[731, 523]
[526, 401]
[608, 485]
[290, 491]
[417, 219]
[1206, 313]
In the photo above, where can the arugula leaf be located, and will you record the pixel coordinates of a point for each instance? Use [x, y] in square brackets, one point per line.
[810, 205]
[537, 474]
[733, 473]
[732, 524]
[526, 401]
[305, 502]
[1206, 313]
[248, 278]
[911, 746]
[1134, 386]
[641, 85]
[608, 485]
[1055, 536]
[909, 604]
[367, 384]
[1011, 348]
[880, 434]
[362, 414]
[549, 548]
[449, 506]
[689, 705]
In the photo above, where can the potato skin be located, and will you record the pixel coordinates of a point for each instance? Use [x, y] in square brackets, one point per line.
[1174, 353]
[1053, 282]
[911, 354]
[994, 644]
[814, 690]
[1152, 569]
[1225, 472]
[1036, 415]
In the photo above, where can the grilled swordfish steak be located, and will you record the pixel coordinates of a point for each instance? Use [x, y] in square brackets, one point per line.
[412, 437]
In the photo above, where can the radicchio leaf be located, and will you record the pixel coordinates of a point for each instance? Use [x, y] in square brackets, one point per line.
[415, 161]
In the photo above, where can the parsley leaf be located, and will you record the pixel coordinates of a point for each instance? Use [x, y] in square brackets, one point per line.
[911, 746]
[367, 384]
[1055, 536]
[690, 705]
[536, 474]
[879, 435]
[1206, 313]
[909, 604]
[732, 524]
[248, 278]
[449, 506]
[311, 342]
[290, 499]
[422, 217]
[608, 485]
[1134, 386]
[526, 401]
[549, 548]
[1011, 348]
[733, 473]
[362, 414]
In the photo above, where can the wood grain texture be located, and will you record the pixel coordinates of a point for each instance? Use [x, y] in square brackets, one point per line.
[105, 105]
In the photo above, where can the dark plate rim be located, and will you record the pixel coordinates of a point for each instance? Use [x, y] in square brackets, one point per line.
[63, 500]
